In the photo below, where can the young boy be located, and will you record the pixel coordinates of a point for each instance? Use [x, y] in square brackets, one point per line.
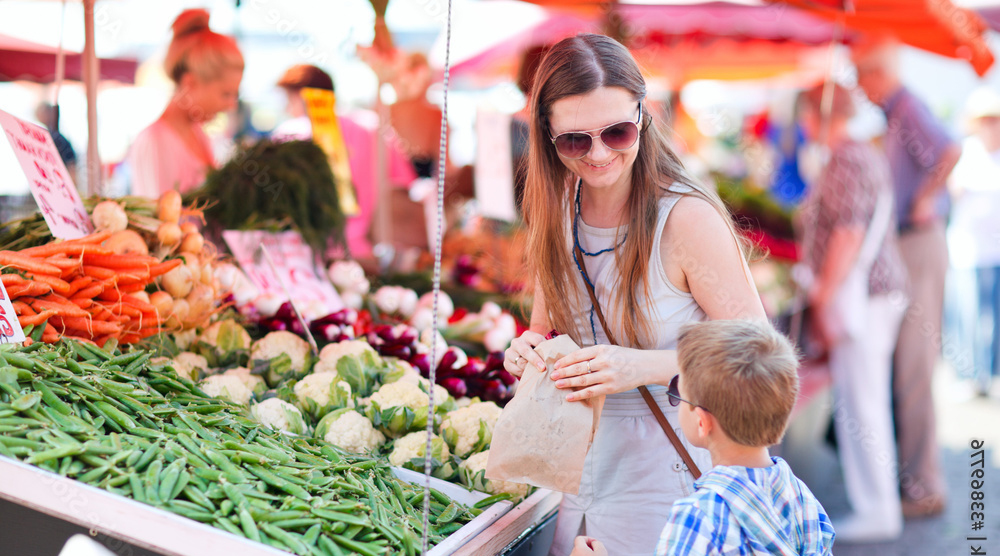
[737, 385]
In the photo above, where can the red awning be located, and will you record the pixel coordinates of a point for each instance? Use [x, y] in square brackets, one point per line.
[26, 60]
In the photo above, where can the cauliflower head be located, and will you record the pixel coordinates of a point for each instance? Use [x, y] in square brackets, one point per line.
[398, 408]
[285, 354]
[279, 415]
[470, 429]
[320, 393]
[187, 365]
[350, 431]
[224, 343]
[473, 473]
[236, 387]
[331, 354]
[414, 446]
[443, 402]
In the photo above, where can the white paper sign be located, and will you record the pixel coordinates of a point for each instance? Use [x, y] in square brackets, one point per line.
[294, 261]
[48, 178]
[10, 327]
[494, 171]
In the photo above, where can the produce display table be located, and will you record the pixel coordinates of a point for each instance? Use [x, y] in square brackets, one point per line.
[40, 510]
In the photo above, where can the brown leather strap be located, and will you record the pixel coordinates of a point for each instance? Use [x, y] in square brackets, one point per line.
[646, 395]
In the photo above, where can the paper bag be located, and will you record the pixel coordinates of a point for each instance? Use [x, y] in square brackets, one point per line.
[541, 439]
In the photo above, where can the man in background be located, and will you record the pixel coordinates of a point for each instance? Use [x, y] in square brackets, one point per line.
[921, 155]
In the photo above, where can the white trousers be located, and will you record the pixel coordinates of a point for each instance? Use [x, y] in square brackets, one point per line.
[861, 369]
[631, 478]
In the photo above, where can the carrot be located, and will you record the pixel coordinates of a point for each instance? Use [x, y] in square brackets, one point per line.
[110, 294]
[99, 272]
[50, 338]
[119, 261]
[139, 304]
[132, 288]
[70, 247]
[29, 289]
[82, 303]
[29, 320]
[63, 308]
[90, 292]
[79, 339]
[11, 280]
[30, 264]
[63, 263]
[131, 338]
[77, 284]
[164, 267]
[147, 332]
[93, 327]
[22, 308]
[58, 285]
[133, 278]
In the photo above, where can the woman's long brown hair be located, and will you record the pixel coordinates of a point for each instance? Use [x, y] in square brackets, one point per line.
[576, 66]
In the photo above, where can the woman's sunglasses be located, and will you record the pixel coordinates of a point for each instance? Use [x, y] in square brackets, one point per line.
[617, 137]
[674, 393]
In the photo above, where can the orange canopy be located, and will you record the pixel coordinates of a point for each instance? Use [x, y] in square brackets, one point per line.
[934, 25]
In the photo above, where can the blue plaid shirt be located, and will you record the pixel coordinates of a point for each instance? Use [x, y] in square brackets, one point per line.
[746, 511]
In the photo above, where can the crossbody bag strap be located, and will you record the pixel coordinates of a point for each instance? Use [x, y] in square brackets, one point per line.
[646, 395]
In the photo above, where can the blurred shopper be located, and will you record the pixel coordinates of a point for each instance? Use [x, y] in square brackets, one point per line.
[849, 245]
[519, 124]
[360, 142]
[48, 115]
[174, 152]
[921, 155]
[974, 237]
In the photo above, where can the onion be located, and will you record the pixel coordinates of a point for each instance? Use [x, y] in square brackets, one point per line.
[169, 207]
[200, 302]
[163, 302]
[168, 234]
[109, 216]
[268, 304]
[192, 243]
[193, 265]
[178, 282]
[141, 296]
[179, 314]
[126, 242]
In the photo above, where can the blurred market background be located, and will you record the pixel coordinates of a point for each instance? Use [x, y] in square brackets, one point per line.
[725, 75]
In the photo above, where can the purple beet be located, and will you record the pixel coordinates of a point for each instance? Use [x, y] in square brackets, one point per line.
[422, 363]
[326, 332]
[494, 391]
[455, 386]
[295, 326]
[285, 312]
[448, 360]
[405, 334]
[507, 378]
[471, 369]
[494, 361]
[274, 325]
[402, 352]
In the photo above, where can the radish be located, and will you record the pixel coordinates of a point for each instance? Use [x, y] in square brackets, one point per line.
[192, 243]
[168, 234]
[169, 207]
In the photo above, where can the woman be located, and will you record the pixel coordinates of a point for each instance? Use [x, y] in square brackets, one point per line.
[600, 170]
[848, 228]
[206, 67]
[974, 245]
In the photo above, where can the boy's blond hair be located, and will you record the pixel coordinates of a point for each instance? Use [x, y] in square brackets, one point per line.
[745, 373]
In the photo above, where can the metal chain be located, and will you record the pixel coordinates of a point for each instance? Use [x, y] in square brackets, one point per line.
[438, 238]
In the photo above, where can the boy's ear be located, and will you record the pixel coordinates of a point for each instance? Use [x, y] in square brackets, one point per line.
[706, 422]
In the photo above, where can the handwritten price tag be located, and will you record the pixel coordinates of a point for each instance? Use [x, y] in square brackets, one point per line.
[10, 327]
[48, 178]
[293, 259]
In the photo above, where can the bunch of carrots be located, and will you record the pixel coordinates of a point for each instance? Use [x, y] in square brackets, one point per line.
[81, 290]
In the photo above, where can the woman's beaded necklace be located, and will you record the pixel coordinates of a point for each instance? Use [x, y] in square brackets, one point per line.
[579, 263]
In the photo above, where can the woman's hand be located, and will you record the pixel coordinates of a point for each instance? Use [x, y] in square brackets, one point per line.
[588, 546]
[605, 369]
[521, 353]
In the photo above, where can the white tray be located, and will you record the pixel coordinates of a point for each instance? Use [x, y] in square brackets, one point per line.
[167, 533]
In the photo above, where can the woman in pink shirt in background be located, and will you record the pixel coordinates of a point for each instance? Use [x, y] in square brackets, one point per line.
[174, 152]
[359, 138]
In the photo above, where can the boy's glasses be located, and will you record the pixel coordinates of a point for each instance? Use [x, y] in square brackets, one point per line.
[674, 393]
[617, 137]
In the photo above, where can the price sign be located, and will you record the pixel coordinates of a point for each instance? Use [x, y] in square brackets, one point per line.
[293, 259]
[10, 327]
[48, 178]
[326, 133]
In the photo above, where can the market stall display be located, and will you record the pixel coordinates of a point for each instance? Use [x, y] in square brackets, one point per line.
[136, 429]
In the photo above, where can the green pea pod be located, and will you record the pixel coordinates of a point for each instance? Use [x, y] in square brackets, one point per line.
[226, 506]
[365, 549]
[288, 539]
[312, 534]
[19, 360]
[490, 500]
[153, 481]
[448, 515]
[27, 401]
[197, 515]
[169, 480]
[198, 497]
[248, 525]
[331, 547]
[224, 523]
[138, 489]
[147, 456]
